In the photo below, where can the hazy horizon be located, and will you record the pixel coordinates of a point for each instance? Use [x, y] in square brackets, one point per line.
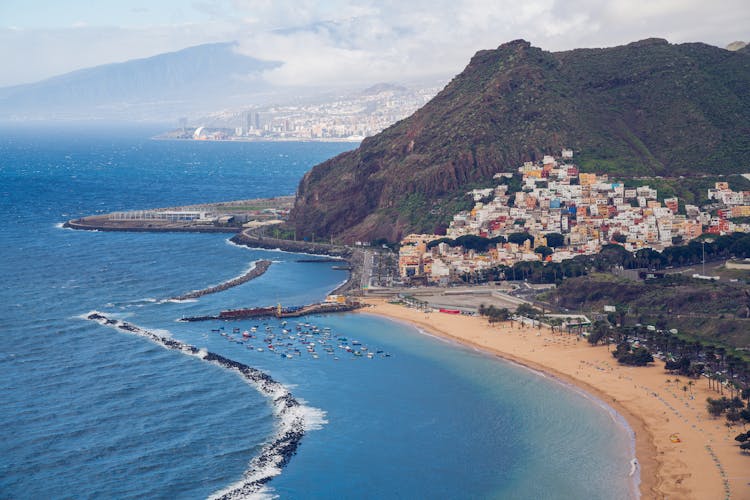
[341, 42]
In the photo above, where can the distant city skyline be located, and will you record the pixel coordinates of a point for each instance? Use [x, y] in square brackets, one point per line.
[341, 42]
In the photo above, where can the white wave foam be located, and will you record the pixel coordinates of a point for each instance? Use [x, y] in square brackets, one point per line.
[342, 283]
[314, 418]
[136, 302]
[61, 225]
[86, 315]
[118, 315]
[229, 241]
[293, 419]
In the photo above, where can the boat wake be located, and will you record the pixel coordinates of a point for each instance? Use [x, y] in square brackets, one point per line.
[293, 418]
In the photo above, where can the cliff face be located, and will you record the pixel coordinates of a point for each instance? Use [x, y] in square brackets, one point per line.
[644, 108]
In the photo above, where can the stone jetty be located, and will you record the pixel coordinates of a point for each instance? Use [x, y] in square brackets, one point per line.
[259, 268]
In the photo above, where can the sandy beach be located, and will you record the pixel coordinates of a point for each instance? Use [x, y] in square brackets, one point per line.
[683, 453]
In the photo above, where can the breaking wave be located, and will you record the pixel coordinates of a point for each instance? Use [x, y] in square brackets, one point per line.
[293, 418]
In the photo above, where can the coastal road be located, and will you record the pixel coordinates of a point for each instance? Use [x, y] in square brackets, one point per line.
[367, 266]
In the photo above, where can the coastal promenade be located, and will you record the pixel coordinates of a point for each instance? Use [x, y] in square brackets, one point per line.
[681, 451]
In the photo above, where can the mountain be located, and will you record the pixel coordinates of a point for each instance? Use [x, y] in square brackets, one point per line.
[194, 79]
[647, 108]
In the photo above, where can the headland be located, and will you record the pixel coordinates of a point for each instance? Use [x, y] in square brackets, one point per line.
[221, 217]
[681, 451]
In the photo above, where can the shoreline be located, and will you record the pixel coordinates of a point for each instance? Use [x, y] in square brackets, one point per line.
[705, 464]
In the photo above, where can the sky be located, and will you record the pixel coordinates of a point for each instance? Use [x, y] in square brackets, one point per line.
[329, 42]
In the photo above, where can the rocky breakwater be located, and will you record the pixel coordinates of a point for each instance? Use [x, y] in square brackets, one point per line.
[251, 238]
[353, 256]
[293, 418]
[259, 268]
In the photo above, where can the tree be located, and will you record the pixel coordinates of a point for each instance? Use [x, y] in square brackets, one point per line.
[544, 251]
[599, 331]
[527, 310]
[681, 366]
[627, 355]
[519, 238]
[435, 243]
[716, 406]
[555, 240]
[733, 415]
[741, 247]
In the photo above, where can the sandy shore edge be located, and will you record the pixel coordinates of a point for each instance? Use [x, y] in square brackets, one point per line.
[704, 464]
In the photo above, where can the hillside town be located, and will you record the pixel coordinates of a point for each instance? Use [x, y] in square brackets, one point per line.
[556, 213]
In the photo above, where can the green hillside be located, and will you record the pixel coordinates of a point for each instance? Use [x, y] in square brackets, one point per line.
[647, 108]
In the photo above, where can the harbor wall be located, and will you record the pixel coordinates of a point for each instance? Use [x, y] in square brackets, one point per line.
[102, 225]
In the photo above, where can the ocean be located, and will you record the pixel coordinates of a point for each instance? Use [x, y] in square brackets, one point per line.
[92, 411]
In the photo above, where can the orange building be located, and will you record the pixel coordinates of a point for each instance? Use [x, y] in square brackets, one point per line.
[587, 179]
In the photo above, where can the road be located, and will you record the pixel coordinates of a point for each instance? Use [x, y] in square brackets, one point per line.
[367, 267]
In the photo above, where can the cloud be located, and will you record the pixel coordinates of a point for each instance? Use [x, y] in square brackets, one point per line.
[325, 43]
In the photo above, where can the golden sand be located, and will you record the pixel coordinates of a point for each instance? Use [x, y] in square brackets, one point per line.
[683, 453]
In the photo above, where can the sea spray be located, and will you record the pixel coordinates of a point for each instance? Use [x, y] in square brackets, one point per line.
[293, 418]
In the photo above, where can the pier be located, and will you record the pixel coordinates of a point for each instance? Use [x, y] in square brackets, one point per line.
[280, 312]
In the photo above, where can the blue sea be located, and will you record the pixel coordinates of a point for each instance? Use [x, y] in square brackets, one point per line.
[90, 411]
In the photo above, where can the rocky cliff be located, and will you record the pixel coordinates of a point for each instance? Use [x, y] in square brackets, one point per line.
[647, 108]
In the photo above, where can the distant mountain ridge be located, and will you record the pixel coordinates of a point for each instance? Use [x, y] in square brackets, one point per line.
[175, 82]
[647, 108]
